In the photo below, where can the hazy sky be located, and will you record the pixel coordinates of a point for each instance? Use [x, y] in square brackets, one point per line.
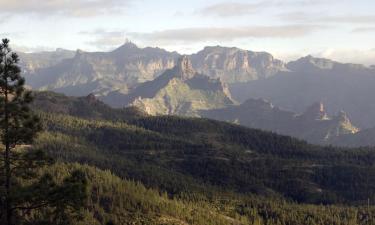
[340, 29]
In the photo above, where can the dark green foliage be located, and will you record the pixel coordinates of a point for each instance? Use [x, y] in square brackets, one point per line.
[203, 152]
[249, 176]
[112, 200]
[24, 192]
[85, 107]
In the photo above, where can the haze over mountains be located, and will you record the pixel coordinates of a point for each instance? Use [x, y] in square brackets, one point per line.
[348, 87]
[99, 72]
[222, 83]
[313, 125]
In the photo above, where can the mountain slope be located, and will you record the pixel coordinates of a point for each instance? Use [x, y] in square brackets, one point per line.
[313, 125]
[102, 72]
[179, 91]
[182, 155]
[120, 201]
[113, 200]
[32, 62]
[88, 107]
[339, 86]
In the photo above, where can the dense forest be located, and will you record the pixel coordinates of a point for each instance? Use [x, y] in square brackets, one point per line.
[246, 176]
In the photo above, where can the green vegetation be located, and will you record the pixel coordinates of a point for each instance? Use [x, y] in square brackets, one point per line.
[121, 201]
[27, 196]
[240, 175]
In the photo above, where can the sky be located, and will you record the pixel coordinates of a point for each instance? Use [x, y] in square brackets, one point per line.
[343, 30]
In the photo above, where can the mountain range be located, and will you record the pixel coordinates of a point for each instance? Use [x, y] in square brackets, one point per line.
[227, 84]
[348, 87]
[82, 73]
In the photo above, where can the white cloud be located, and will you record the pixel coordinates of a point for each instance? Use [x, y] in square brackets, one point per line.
[76, 8]
[105, 40]
[233, 9]
[301, 16]
[191, 35]
[366, 57]
[350, 19]
[364, 30]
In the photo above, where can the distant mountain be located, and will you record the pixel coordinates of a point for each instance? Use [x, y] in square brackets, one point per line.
[233, 65]
[348, 87]
[314, 125]
[32, 62]
[103, 72]
[81, 73]
[178, 91]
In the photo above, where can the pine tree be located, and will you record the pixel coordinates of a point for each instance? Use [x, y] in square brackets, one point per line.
[23, 189]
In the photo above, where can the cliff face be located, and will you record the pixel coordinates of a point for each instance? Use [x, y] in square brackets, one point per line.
[180, 91]
[81, 73]
[32, 62]
[233, 65]
[103, 72]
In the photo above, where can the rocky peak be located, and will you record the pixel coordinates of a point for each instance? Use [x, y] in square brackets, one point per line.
[344, 125]
[127, 48]
[128, 44]
[184, 68]
[234, 65]
[309, 62]
[315, 112]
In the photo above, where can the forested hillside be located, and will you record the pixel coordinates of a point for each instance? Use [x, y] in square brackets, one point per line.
[243, 173]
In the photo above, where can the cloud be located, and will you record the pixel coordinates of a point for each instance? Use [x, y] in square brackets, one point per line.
[301, 16]
[226, 34]
[105, 40]
[364, 30]
[76, 8]
[350, 19]
[366, 57]
[232, 9]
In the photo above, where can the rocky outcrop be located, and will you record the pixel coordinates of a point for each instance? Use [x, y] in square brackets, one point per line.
[233, 65]
[32, 62]
[179, 91]
[184, 69]
[103, 72]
